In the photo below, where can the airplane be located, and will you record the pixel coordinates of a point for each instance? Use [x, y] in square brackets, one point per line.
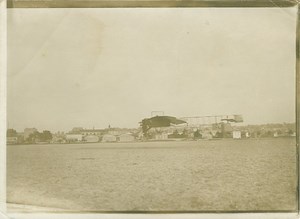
[159, 121]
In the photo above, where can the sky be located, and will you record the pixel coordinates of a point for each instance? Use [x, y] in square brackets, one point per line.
[99, 67]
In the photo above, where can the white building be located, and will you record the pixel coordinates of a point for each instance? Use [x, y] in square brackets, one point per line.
[11, 140]
[126, 137]
[109, 138]
[74, 137]
[236, 135]
[162, 136]
[91, 138]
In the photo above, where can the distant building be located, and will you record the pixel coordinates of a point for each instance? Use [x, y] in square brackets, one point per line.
[74, 137]
[236, 134]
[126, 137]
[109, 138]
[11, 140]
[98, 132]
[76, 130]
[113, 132]
[11, 136]
[162, 136]
[116, 131]
[91, 138]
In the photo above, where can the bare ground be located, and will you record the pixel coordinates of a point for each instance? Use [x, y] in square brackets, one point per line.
[222, 175]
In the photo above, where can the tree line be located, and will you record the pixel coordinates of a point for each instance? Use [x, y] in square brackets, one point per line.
[45, 136]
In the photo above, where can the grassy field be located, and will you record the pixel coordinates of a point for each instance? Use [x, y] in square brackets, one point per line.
[221, 175]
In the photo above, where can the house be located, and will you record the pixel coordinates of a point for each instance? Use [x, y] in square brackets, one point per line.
[236, 134]
[91, 138]
[88, 132]
[12, 140]
[73, 137]
[128, 137]
[161, 136]
[76, 130]
[109, 138]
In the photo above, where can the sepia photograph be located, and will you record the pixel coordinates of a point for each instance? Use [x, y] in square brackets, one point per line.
[151, 110]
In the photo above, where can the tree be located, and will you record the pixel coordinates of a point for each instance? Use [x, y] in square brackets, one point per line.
[33, 137]
[46, 135]
[175, 134]
[11, 133]
[197, 134]
[219, 135]
[290, 132]
[184, 133]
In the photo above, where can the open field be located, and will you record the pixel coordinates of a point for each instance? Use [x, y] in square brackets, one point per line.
[222, 175]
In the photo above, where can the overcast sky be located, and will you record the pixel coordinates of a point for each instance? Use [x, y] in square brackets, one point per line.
[95, 67]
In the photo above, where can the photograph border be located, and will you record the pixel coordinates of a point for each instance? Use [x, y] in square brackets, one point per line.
[147, 3]
[3, 79]
[10, 4]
